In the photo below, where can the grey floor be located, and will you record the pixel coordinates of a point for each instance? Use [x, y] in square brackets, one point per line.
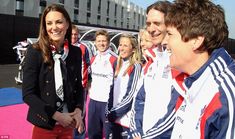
[7, 75]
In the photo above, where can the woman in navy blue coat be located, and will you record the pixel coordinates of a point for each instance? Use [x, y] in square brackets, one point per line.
[52, 84]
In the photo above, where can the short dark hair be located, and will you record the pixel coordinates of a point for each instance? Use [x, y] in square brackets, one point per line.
[193, 18]
[161, 6]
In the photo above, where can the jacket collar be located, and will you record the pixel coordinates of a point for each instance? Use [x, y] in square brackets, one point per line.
[216, 64]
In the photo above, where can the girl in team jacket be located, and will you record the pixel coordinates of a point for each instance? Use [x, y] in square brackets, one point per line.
[127, 74]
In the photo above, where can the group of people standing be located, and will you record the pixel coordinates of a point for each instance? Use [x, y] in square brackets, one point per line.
[177, 82]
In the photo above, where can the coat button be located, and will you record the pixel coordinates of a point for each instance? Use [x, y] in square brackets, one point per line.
[58, 104]
[75, 91]
[47, 93]
[76, 79]
[47, 81]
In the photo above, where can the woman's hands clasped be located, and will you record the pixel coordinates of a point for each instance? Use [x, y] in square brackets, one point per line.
[73, 119]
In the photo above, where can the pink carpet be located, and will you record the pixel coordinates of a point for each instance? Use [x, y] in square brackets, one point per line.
[13, 123]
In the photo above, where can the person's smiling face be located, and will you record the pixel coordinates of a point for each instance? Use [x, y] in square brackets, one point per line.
[125, 47]
[156, 26]
[182, 54]
[101, 43]
[56, 26]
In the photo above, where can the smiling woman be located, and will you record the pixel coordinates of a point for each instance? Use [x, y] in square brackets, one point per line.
[56, 26]
[127, 74]
[205, 87]
[52, 78]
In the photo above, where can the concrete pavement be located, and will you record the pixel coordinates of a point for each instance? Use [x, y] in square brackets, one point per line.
[8, 73]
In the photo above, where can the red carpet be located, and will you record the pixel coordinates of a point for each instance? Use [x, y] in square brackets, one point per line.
[13, 123]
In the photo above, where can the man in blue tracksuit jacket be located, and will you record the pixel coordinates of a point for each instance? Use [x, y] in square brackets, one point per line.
[156, 81]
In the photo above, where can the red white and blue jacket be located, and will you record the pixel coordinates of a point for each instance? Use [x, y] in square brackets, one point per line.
[102, 74]
[85, 63]
[202, 104]
[121, 98]
[155, 91]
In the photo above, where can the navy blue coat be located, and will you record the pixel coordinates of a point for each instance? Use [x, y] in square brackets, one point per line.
[39, 86]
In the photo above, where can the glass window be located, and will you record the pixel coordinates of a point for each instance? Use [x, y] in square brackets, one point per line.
[76, 3]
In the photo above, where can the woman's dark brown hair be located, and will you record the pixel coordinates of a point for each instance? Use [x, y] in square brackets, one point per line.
[193, 18]
[43, 43]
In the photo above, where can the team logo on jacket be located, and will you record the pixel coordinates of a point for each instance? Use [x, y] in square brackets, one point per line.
[150, 69]
[166, 71]
[150, 74]
[105, 63]
[182, 108]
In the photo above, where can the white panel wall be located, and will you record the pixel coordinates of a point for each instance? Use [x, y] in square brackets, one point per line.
[7, 7]
[94, 11]
[136, 21]
[142, 18]
[125, 4]
[103, 13]
[69, 6]
[118, 16]
[131, 16]
[111, 13]
[82, 16]
[31, 8]
[124, 12]
[49, 2]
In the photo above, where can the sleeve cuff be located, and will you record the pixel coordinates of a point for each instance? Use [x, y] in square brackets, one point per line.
[135, 134]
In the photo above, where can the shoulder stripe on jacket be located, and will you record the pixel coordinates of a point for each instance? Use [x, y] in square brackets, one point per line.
[227, 83]
[92, 59]
[164, 126]
[129, 98]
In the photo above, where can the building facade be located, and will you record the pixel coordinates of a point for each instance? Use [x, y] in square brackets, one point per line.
[107, 13]
[20, 19]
